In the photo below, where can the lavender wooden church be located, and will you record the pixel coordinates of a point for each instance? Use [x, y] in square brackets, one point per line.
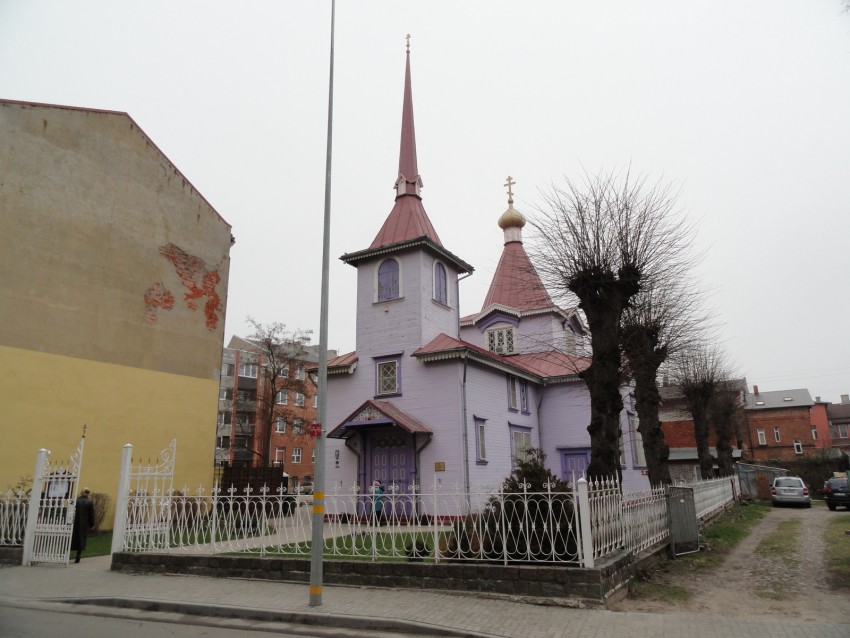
[430, 397]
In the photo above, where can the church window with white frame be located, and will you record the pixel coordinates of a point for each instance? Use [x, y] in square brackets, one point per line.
[480, 440]
[387, 377]
[441, 290]
[521, 444]
[388, 280]
[501, 340]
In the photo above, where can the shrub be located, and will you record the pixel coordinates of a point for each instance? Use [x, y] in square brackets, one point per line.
[100, 503]
[417, 549]
[536, 511]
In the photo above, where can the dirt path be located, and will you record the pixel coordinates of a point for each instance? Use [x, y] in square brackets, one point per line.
[751, 585]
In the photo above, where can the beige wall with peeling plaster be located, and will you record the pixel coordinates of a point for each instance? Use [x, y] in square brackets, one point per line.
[88, 207]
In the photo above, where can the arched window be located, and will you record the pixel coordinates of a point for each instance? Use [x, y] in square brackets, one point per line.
[388, 280]
[440, 289]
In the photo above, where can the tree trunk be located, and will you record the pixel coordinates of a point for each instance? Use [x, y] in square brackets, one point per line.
[699, 412]
[723, 416]
[603, 380]
[640, 344]
[656, 451]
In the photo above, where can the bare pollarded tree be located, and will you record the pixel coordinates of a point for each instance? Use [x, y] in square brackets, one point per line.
[725, 413]
[599, 242]
[664, 318]
[703, 373]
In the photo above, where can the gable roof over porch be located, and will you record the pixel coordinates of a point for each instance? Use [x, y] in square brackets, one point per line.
[374, 412]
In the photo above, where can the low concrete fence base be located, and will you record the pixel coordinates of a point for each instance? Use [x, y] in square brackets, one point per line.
[561, 585]
[11, 555]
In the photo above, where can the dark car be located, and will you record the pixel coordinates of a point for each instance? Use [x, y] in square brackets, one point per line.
[790, 490]
[836, 492]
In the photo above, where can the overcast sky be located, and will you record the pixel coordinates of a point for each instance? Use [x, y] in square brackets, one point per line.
[744, 105]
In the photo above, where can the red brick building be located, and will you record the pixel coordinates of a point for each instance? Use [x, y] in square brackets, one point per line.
[678, 427]
[243, 436]
[838, 416]
[783, 424]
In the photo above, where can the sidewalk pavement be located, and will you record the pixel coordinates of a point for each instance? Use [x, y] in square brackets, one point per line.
[406, 612]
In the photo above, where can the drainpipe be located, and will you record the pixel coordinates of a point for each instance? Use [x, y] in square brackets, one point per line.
[465, 427]
[539, 404]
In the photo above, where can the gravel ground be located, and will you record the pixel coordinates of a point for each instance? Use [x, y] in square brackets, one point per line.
[748, 585]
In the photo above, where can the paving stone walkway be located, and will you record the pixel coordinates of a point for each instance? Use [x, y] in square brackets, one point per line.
[403, 611]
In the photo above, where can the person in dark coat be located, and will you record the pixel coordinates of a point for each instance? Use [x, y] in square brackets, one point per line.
[83, 522]
[378, 496]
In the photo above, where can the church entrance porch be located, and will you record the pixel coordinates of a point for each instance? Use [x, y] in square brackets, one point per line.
[387, 442]
[389, 458]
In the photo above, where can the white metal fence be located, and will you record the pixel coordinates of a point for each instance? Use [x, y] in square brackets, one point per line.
[51, 510]
[536, 525]
[13, 518]
[712, 495]
[146, 502]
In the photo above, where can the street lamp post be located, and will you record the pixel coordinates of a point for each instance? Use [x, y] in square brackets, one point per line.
[317, 541]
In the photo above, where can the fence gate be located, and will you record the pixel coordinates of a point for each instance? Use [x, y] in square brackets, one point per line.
[143, 509]
[50, 518]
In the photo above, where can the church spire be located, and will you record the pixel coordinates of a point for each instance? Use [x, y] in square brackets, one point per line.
[408, 219]
[408, 182]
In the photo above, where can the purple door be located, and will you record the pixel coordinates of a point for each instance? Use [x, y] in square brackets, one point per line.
[393, 466]
[574, 464]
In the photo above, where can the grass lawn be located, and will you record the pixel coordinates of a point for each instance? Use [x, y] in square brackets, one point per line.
[838, 549]
[98, 545]
[390, 547]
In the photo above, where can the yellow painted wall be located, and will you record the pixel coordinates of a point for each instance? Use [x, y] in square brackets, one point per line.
[47, 398]
[113, 282]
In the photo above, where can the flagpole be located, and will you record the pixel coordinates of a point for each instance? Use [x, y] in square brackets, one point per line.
[317, 542]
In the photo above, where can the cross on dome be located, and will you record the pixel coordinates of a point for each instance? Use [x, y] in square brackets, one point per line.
[510, 183]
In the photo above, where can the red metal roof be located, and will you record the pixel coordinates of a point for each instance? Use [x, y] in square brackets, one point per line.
[407, 220]
[547, 364]
[516, 283]
[407, 165]
[552, 363]
[343, 360]
[372, 409]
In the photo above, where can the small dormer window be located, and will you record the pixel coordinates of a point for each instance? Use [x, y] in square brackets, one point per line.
[759, 402]
[501, 340]
[787, 399]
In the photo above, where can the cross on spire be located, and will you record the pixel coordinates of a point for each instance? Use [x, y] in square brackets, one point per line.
[407, 37]
[510, 183]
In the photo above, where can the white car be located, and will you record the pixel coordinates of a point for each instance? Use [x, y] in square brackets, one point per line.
[790, 490]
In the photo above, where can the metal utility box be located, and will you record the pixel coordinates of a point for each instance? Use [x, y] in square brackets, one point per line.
[682, 520]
